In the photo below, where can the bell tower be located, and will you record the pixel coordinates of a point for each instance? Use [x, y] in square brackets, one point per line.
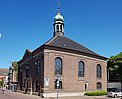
[58, 24]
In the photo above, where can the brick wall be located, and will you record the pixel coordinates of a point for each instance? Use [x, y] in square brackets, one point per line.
[69, 77]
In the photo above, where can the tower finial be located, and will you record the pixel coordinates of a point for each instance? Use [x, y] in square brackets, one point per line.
[58, 4]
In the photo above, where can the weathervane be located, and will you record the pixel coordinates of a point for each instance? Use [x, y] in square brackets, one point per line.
[58, 4]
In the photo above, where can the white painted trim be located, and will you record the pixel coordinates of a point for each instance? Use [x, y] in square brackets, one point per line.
[50, 40]
[66, 53]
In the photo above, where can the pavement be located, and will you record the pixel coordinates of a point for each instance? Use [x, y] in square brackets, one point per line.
[64, 94]
[17, 95]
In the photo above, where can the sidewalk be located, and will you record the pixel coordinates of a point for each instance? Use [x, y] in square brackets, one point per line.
[54, 94]
[63, 94]
[66, 95]
[60, 94]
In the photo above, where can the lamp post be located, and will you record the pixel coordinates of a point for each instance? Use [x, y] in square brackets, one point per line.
[57, 84]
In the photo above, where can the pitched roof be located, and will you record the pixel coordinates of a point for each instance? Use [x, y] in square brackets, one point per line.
[27, 54]
[66, 43]
[62, 43]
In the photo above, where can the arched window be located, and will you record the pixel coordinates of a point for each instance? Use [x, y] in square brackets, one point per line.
[57, 28]
[81, 69]
[99, 72]
[58, 66]
[99, 86]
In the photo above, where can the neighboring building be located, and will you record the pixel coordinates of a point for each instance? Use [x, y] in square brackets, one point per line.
[4, 78]
[12, 80]
[1, 78]
[113, 79]
[113, 85]
[73, 66]
[6, 82]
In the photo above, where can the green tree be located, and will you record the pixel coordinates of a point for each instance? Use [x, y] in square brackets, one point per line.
[115, 67]
[15, 68]
[1, 83]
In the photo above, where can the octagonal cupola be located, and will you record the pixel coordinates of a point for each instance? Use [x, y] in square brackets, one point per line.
[58, 24]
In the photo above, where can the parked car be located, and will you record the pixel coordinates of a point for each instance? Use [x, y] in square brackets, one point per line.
[110, 89]
[115, 93]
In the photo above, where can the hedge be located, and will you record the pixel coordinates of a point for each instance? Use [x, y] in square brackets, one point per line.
[96, 93]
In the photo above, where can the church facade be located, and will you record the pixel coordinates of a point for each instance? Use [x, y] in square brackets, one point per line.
[62, 63]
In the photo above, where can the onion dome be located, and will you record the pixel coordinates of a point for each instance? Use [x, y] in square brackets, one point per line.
[58, 17]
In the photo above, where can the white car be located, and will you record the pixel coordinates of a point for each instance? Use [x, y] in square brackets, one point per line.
[115, 93]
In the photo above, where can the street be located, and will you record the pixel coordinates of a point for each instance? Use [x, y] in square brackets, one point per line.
[16, 95]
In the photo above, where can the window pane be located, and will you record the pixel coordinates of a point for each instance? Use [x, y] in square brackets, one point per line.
[58, 66]
[99, 85]
[57, 28]
[98, 71]
[81, 69]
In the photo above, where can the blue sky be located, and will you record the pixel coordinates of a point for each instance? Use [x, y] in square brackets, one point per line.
[96, 24]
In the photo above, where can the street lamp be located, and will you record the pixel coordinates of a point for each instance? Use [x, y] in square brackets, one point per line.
[57, 84]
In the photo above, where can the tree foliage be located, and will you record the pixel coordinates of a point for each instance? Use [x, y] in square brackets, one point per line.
[15, 68]
[1, 82]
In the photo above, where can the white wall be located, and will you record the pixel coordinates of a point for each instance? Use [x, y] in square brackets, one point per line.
[114, 85]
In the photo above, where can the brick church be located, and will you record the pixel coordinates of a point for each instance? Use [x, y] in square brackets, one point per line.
[75, 67]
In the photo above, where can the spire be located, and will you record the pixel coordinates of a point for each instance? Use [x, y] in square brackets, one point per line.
[58, 23]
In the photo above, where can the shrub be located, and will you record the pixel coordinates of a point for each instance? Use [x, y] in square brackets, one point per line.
[96, 93]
